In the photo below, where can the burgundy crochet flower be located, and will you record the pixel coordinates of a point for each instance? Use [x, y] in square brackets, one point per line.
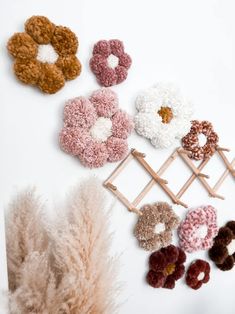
[222, 252]
[95, 129]
[166, 267]
[198, 274]
[109, 62]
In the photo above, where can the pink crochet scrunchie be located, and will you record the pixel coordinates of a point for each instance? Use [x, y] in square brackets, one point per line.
[190, 240]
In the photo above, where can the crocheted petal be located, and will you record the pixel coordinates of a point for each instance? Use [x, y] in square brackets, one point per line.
[155, 279]
[27, 71]
[171, 253]
[157, 261]
[98, 63]
[95, 155]
[117, 47]
[166, 238]
[149, 101]
[107, 77]
[227, 264]
[122, 124]
[70, 66]
[125, 60]
[169, 283]
[146, 124]
[179, 272]
[105, 102]
[181, 257]
[121, 73]
[51, 79]
[163, 139]
[117, 149]
[102, 47]
[182, 127]
[79, 112]
[40, 29]
[73, 140]
[64, 41]
[22, 46]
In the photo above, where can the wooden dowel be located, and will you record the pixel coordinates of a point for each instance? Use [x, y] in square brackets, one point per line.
[227, 163]
[137, 153]
[223, 177]
[125, 201]
[192, 166]
[218, 148]
[191, 179]
[110, 186]
[150, 170]
[152, 182]
[119, 168]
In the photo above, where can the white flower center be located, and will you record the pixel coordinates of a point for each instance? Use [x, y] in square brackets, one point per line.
[202, 139]
[231, 247]
[201, 276]
[102, 129]
[112, 61]
[159, 228]
[47, 54]
[202, 231]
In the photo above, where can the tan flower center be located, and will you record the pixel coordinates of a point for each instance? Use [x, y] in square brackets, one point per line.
[169, 269]
[166, 114]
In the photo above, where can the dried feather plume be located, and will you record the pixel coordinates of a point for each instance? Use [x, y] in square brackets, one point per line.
[68, 271]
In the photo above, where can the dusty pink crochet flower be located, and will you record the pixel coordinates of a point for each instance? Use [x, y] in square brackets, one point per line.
[196, 221]
[109, 62]
[95, 129]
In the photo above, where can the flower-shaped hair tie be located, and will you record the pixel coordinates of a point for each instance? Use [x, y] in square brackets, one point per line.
[109, 62]
[154, 227]
[197, 230]
[95, 129]
[198, 274]
[166, 267]
[223, 249]
[191, 142]
[45, 54]
[163, 115]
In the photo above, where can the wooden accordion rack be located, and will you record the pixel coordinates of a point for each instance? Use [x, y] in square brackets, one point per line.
[157, 177]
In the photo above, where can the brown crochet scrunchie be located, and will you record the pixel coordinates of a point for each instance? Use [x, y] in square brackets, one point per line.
[222, 251]
[190, 142]
[153, 215]
[45, 54]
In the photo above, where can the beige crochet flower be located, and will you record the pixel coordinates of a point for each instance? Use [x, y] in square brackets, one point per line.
[153, 216]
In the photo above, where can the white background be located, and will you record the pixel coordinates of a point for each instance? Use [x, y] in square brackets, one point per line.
[190, 43]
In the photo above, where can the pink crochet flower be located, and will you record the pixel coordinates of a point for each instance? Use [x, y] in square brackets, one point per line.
[109, 62]
[95, 129]
[189, 230]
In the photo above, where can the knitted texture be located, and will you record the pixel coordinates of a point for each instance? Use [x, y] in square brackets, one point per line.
[197, 269]
[152, 215]
[109, 62]
[95, 129]
[190, 142]
[166, 267]
[220, 253]
[163, 115]
[45, 54]
[190, 240]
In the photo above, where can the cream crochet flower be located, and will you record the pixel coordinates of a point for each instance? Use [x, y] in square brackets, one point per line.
[164, 115]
